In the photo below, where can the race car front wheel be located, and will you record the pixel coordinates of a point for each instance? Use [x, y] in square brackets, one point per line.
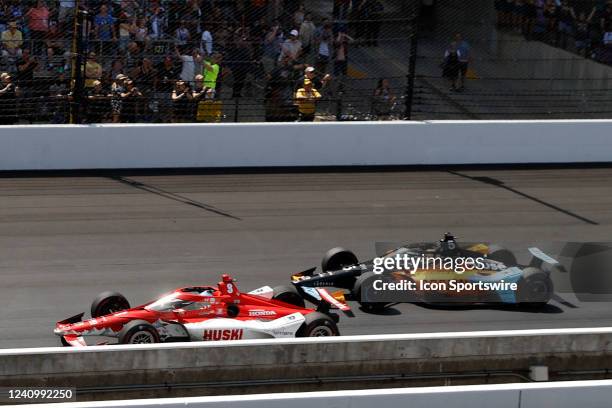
[337, 258]
[318, 325]
[107, 303]
[138, 332]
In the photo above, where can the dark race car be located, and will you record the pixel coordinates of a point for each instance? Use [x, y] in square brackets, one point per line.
[204, 313]
[495, 276]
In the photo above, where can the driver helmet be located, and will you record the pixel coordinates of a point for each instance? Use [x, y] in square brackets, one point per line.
[448, 243]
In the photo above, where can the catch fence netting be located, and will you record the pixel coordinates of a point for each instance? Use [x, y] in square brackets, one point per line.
[160, 61]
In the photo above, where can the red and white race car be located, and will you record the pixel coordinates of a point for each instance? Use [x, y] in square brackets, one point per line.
[205, 313]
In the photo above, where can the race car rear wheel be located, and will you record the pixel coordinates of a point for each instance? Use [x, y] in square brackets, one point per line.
[337, 258]
[288, 294]
[503, 255]
[318, 325]
[535, 288]
[107, 303]
[138, 332]
[363, 289]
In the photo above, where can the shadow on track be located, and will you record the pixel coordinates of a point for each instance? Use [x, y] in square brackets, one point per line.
[500, 184]
[389, 311]
[547, 309]
[171, 196]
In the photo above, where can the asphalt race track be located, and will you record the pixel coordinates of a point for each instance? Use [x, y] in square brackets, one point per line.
[65, 239]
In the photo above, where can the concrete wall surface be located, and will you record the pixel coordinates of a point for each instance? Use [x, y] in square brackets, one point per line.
[292, 359]
[62, 147]
[592, 394]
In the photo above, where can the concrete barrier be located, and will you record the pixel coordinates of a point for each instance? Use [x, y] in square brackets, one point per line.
[314, 364]
[592, 394]
[63, 147]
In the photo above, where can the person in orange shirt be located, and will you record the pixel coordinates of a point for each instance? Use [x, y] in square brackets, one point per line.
[306, 100]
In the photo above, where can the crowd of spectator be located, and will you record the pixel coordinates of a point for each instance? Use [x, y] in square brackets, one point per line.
[581, 26]
[168, 60]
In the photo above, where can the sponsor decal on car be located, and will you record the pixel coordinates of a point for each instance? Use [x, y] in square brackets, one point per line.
[223, 334]
[282, 333]
[262, 313]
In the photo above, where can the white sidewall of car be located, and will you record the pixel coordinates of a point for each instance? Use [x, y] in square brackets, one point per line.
[232, 329]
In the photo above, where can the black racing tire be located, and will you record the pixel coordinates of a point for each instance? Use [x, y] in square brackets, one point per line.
[337, 258]
[64, 342]
[288, 294]
[535, 288]
[318, 325]
[138, 332]
[360, 286]
[107, 303]
[503, 255]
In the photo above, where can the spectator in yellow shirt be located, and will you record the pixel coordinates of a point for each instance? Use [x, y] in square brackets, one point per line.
[12, 41]
[93, 71]
[306, 100]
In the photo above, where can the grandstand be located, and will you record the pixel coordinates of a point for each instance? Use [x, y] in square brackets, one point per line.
[157, 61]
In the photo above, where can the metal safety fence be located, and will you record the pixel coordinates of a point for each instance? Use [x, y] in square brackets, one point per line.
[158, 61]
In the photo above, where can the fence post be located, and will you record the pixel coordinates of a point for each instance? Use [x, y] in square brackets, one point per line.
[236, 108]
[339, 103]
[77, 82]
[410, 78]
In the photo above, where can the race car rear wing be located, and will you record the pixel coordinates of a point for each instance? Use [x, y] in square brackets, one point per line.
[325, 300]
[334, 300]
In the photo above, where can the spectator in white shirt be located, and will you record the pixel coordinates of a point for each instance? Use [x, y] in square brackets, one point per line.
[188, 65]
[190, 61]
[292, 47]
